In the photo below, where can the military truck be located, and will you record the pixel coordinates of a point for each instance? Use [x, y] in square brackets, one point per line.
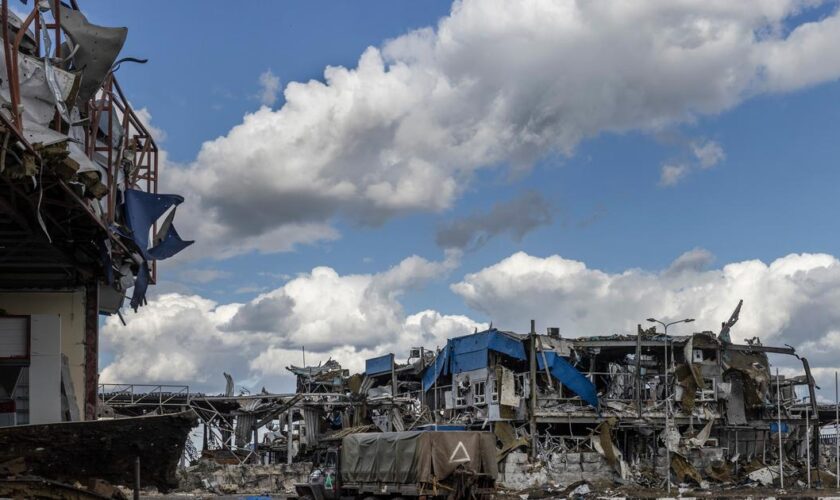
[430, 464]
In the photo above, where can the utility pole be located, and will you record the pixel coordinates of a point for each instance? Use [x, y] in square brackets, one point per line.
[393, 378]
[808, 442]
[437, 356]
[533, 358]
[779, 429]
[668, 364]
[289, 437]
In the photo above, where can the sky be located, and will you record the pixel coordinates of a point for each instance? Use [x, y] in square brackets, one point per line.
[365, 177]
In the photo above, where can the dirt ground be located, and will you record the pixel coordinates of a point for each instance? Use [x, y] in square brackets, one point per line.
[630, 492]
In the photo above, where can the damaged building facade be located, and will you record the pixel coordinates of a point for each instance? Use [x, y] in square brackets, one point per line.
[82, 225]
[81, 221]
[624, 406]
[633, 409]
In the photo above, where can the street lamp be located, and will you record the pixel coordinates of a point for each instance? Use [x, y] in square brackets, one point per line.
[667, 395]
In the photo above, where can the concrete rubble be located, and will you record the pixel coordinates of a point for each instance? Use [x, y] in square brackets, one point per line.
[209, 476]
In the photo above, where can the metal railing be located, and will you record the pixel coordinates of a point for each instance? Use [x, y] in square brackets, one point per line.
[144, 395]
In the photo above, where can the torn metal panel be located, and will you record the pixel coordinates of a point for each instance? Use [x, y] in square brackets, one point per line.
[142, 210]
[683, 470]
[735, 410]
[571, 378]
[98, 48]
[604, 445]
[42, 88]
[436, 369]
[506, 387]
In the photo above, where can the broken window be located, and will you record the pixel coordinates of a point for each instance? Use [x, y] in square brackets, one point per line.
[460, 401]
[479, 396]
[494, 391]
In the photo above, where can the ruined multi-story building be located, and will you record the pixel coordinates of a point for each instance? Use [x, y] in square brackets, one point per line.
[632, 405]
[81, 219]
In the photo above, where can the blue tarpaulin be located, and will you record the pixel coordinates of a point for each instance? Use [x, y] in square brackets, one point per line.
[774, 427]
[563, 371]
[471, 352]
[382, 364]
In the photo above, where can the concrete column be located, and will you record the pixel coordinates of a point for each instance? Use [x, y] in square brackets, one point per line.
[45, 369]
[91, 349]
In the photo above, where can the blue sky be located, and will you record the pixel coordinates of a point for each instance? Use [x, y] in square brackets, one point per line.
[773, 191]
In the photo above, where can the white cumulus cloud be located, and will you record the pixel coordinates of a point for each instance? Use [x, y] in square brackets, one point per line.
[269, 87]
[494, 83]
[187, 339]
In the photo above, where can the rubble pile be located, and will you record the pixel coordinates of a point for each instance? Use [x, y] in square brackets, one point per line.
[207, 476]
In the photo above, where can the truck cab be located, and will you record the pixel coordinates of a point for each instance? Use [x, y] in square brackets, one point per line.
[324, 479]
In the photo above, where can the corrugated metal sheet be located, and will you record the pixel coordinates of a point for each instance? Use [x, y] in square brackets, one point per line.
[570, 377]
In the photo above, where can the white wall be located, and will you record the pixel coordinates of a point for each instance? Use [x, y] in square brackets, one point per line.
[45, 369]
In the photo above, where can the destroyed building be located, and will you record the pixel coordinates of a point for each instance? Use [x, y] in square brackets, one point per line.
[622, 407]
[595, 407]
[81, 219]
[81, 224]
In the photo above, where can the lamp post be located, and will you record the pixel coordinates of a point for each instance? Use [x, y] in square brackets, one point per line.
[668, 396]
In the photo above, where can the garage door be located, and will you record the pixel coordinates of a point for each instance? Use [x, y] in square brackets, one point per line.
[14, 337]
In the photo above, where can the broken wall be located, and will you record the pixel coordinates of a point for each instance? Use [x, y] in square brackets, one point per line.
[70, 306]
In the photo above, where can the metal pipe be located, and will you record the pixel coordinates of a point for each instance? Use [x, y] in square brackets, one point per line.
[779, 430]
[11, 67]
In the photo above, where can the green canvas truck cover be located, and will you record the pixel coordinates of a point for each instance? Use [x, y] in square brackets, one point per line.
[415, 456]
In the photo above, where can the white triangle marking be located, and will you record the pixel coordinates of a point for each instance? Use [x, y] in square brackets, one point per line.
[457, 457]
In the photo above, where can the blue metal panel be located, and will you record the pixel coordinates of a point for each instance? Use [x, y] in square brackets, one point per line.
[382, 364]
[470, 352]
[142, 210]
[140, 285]
[169, 246]
[441, 427]
[507, 345]
[569, 376]
[436, 369]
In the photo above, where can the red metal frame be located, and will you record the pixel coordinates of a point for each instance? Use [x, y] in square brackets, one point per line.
[110, 99]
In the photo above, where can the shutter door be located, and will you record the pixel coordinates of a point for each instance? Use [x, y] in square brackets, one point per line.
[14, 337]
